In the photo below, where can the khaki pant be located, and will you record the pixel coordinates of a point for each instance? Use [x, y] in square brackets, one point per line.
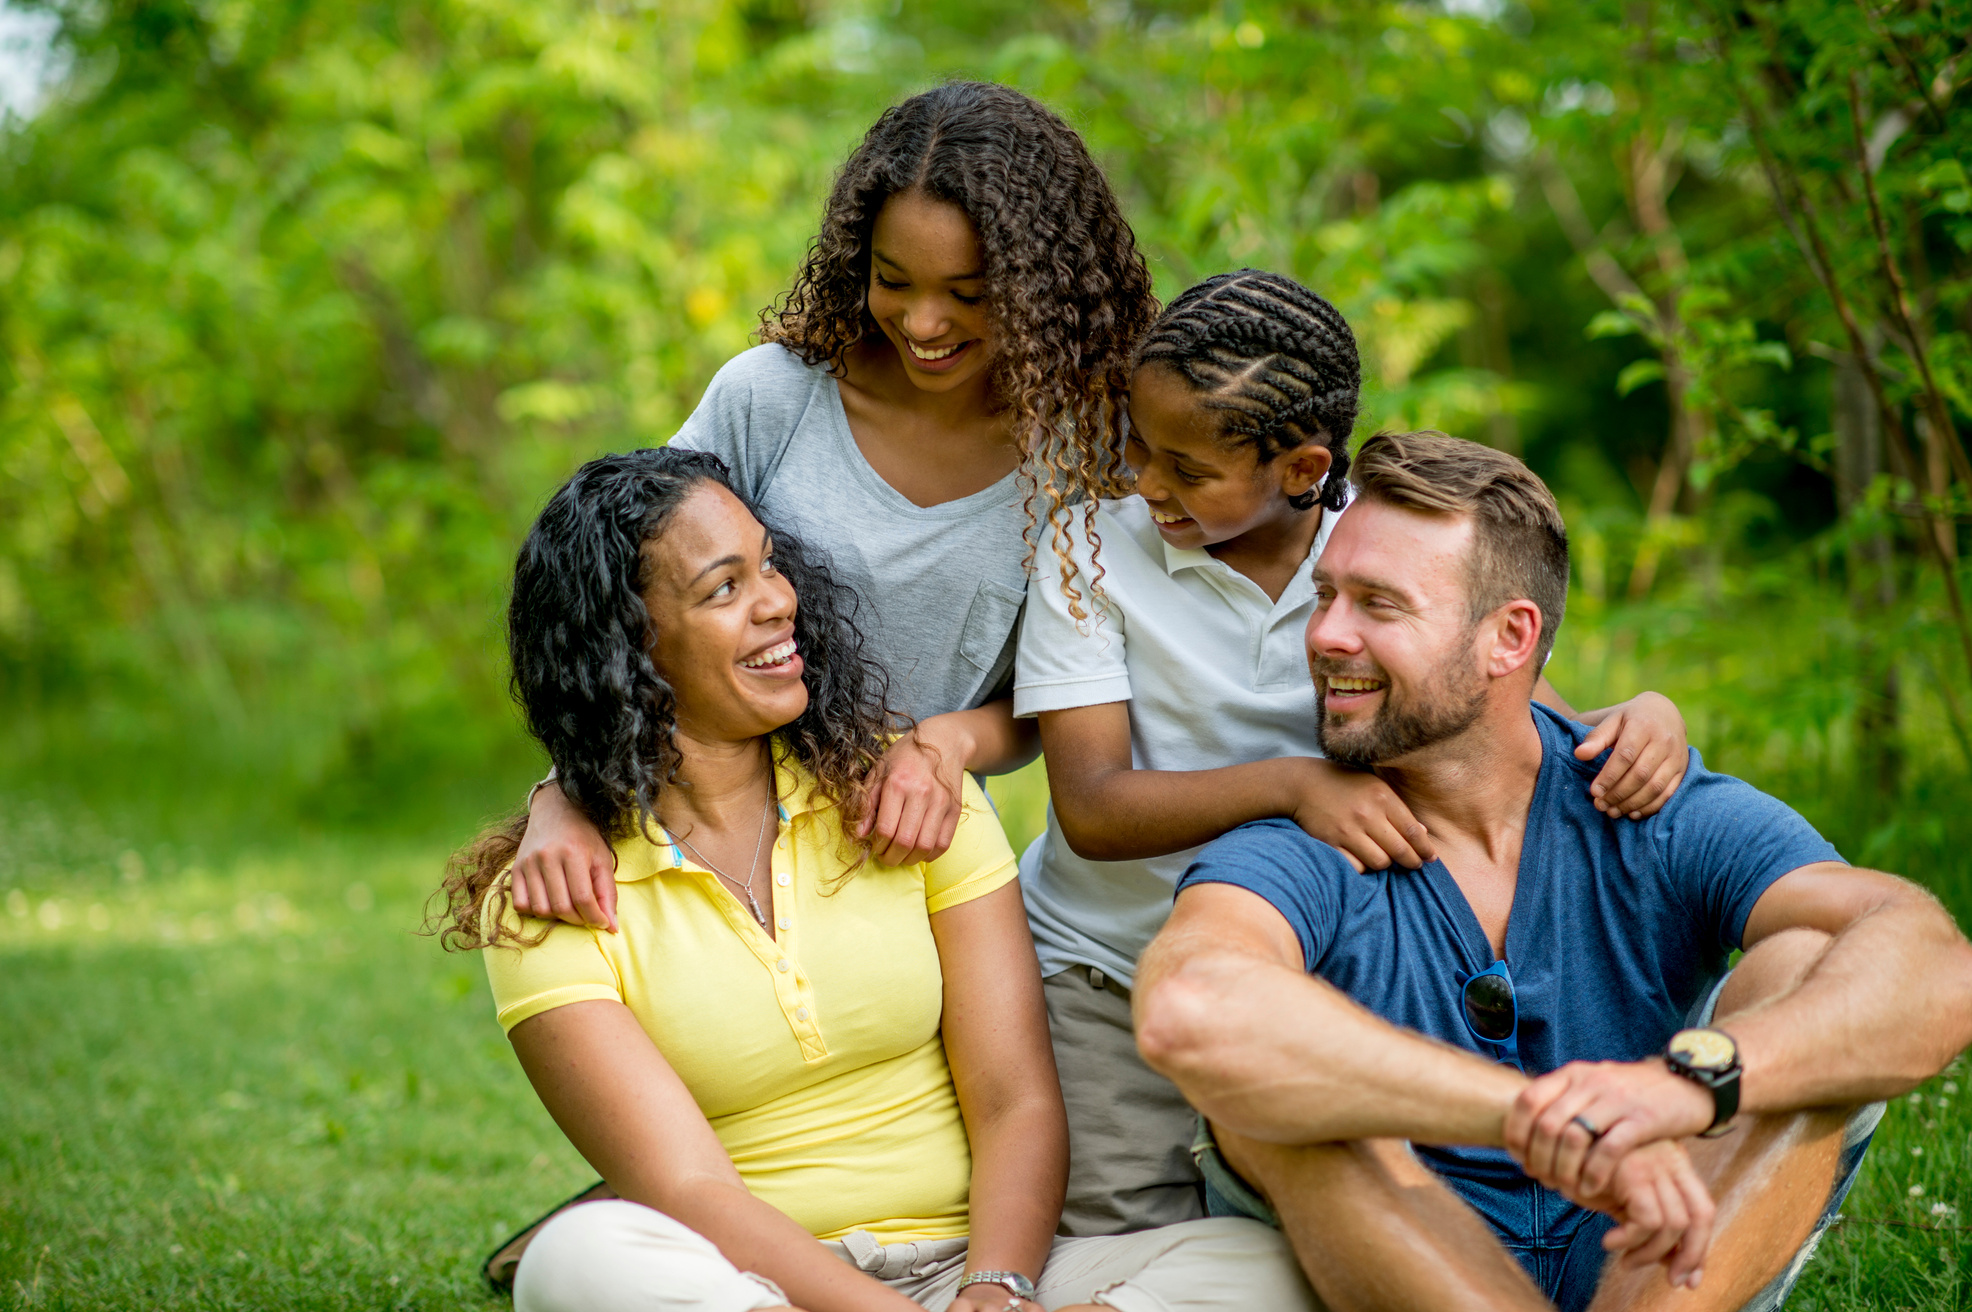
[619, 1256]
[1129, 1129]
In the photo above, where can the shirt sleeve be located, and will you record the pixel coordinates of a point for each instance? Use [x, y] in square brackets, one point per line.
[566, 966]
[1301, 877]
[1063, 662]
[979, 860]
[1724, 843]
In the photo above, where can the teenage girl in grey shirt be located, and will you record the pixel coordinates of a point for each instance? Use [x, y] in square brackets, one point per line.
[943, 377]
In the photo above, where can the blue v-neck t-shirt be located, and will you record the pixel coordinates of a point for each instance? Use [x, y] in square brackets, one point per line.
[1618, 928]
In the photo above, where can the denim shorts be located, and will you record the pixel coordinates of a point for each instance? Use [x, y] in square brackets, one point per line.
[1569, 1273]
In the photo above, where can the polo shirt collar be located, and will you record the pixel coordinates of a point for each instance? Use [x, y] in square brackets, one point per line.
[792, 784]
[1177, 558]
[795, 786]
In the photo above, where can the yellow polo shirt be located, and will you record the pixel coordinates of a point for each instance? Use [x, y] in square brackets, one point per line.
[814, 1052]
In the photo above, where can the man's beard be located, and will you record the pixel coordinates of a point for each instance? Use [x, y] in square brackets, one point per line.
[1406, 722]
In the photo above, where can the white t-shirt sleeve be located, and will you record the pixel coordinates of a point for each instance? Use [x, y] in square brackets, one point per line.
[1063, 662]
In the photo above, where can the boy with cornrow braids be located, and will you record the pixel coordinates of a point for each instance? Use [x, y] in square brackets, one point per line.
[1175, 705]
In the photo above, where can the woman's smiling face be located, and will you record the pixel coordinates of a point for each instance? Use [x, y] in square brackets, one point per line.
[1201, 488]
[723, 620]
[928, 291]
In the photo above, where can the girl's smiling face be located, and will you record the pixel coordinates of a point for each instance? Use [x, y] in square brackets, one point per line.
[1202, 488]
[928, 291]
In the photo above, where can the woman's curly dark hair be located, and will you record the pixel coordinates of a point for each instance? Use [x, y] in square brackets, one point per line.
[1277, 359]
[1068, 291]
[579, 637]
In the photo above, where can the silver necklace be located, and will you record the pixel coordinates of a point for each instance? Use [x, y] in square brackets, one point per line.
[745, 889]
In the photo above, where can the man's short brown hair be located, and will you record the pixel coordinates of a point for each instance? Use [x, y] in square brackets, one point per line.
[1520, 544]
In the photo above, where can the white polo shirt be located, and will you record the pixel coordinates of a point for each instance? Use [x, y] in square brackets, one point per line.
[1215, 674]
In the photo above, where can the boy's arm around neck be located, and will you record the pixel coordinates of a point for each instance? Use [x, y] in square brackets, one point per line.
[1110, 811]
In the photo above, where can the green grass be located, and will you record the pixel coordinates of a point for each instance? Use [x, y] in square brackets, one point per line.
[246, 1083]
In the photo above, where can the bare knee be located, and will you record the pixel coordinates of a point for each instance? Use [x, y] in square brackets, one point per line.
[1772, 968]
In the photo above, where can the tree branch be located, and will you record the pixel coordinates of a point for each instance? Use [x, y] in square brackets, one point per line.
[1942, 428]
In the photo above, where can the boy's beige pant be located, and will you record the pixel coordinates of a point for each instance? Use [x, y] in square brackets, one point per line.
[620, 1256]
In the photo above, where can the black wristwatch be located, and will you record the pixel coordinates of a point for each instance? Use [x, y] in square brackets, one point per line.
[1708, 1058]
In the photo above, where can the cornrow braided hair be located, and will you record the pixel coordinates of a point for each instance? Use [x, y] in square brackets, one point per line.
[1277, 359]
[1068, 291]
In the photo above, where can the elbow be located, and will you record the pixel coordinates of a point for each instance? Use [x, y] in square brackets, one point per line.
[1959, 1036]
[1090, 842]
[1180, 1024]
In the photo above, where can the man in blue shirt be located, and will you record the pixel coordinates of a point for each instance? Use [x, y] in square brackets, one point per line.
[1494, 1082]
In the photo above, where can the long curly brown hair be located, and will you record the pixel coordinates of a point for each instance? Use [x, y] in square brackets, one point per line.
[579, 637]
[1068, 290]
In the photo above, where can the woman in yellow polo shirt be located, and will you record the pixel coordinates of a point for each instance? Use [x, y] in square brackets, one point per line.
[812, 1081]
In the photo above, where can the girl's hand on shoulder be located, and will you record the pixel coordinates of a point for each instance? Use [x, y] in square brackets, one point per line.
[919, 797]
[1358, 814]
[1648, 752]
[564, 869]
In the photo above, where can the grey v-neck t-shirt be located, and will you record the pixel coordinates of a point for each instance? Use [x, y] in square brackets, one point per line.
[943, 585]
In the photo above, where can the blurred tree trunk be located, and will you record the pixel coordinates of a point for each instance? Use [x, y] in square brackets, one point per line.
[1496, 356]
[1872, 578]
[1656, 317]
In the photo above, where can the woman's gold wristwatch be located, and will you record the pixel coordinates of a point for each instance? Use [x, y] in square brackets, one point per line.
[1015, 1283]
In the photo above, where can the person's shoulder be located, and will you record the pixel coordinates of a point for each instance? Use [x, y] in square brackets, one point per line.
[768, 368]
[1275, 845]
[1113, 530]
[1122, 526]
[1710, 796]
[1560, 736]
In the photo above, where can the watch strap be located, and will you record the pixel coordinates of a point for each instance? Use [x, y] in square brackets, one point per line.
[1725, 1103]
[1015, 1283]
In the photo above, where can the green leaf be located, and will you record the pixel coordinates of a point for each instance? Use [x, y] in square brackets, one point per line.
[1638, 372]
[1610, 323]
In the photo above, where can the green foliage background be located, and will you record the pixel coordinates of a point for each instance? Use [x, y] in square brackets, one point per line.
[306, 307]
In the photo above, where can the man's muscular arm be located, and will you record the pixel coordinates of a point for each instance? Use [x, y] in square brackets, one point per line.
[1227, 1011]
[1883, 1010]
[1886, 1004]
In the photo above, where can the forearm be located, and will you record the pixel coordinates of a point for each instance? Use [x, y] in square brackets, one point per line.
[986, 738]
[1124, 814]
[1282, 1057]
[1885, 1007]
[1019, 1176]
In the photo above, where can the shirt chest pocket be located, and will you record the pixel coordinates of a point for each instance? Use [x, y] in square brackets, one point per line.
[988, 625]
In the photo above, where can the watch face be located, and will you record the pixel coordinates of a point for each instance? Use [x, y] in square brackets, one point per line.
[1705, 1050]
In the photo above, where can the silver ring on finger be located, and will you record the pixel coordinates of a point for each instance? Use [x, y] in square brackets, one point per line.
[1588, 1127]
